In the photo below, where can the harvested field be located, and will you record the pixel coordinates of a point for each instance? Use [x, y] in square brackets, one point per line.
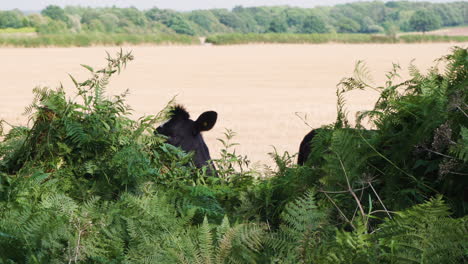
[256, 89]
[454, 31]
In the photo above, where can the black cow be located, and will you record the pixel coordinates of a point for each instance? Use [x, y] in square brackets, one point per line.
[183, 132]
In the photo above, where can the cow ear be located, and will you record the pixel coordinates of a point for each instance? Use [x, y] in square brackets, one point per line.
[205, 121]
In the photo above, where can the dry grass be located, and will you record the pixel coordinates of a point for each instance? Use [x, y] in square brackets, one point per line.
[256, 89]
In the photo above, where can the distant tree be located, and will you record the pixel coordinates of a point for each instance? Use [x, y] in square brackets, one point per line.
[180, 26]
[35, 20]
[52, 27]
[248, 19]
[238, 9]
[449, 15]
[390, 29]
[404, 20]
[55, 13]
[347, 25]
[10, 19]
[89, 15]
[96, 25]
[392, 4]
[230, 19]
[74, 23]
[262, 16]
[159, 15]
[110, 22]
[171, 19]
[278, 25]
[369, 26]
[295, 16]
[313, 24]
[134, 15]
[423, 20]
[203, 18]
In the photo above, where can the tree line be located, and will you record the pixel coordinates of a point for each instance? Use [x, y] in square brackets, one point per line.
[362, 17]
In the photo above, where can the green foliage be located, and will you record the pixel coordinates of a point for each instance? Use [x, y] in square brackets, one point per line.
[53, 26]
[86, 183]
[424, 21]
[55, 13]
[12, 19]
[229, 163]
[421, 234]
[206, 22]
[18, 30]
[224, 243]
[415, 151]
[303, 225]
[424, 233]
[347, 25]
[236, 38]
[171, 19]
[89, 39]
[230, 19]
[278, 25]
[459, 149]
[313, 24]
[142, 26]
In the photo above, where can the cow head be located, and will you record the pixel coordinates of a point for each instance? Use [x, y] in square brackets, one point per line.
[183, 132]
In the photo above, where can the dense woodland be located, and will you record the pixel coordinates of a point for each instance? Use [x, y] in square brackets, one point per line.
[362, 17]
[85, 183]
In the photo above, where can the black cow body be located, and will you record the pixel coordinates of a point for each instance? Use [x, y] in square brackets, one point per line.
[304, 148]
[185, 133]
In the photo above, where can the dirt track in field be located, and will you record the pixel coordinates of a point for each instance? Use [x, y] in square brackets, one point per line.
[256, 89]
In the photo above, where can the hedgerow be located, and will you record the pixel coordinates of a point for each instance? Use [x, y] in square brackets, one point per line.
[86, 183]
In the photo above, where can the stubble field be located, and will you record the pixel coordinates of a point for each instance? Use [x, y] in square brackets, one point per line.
[257, 90]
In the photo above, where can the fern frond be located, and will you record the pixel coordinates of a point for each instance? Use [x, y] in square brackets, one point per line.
[206, 242]
[76, 133]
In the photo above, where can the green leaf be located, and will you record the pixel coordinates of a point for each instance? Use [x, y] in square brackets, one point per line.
[73, 80]
[89, 68]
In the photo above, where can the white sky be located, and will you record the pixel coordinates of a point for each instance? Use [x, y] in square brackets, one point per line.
[182, 5]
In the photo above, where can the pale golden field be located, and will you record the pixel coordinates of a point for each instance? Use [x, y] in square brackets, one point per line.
[256, 89]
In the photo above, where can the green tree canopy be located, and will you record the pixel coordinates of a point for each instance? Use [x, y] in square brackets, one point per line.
[35, 20]
[313, 24]
[203, 18]
[278, 25]
[110, 21]
[171, 19]
[423, 20]
[53, 26]
[230, 19]
[360, 17]
[11, 19]
[55, 13]
[347, 25]
[295, 16]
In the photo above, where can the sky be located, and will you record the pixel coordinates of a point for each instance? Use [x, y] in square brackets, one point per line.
[181, 5]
